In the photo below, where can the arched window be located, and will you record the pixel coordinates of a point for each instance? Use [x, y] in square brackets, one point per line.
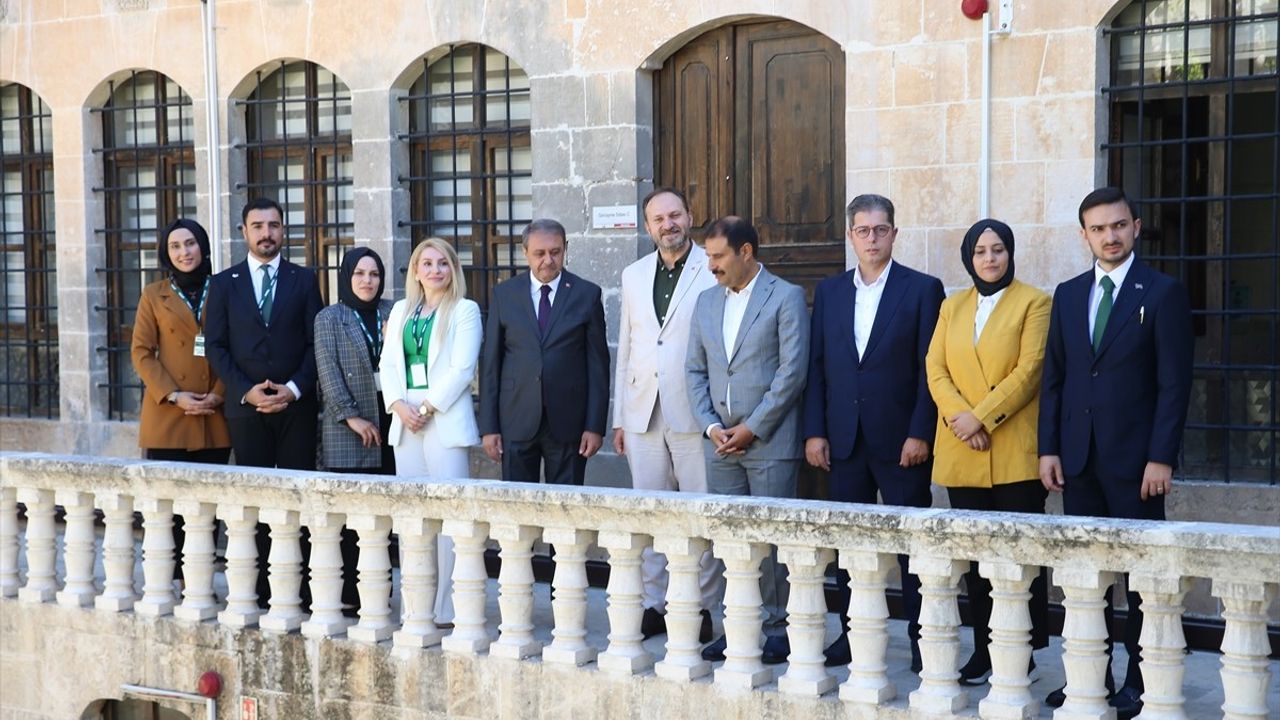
[298, 128]
[1194, 138]
[471, 167]
[148, 162]
[28, 279]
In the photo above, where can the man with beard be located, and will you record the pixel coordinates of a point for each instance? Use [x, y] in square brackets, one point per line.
[653, 425]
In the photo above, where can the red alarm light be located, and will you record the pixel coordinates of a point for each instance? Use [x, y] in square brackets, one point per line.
[210, 684]
[973, 9]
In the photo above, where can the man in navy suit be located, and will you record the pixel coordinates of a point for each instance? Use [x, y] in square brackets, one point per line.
[1117, 380]
[544, 372]
[258, 327]
[868, 415]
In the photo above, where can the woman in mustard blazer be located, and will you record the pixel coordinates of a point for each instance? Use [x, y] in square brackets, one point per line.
[984, 366]
[182, 404]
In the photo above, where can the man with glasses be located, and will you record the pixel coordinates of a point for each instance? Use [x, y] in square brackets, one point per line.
[868, 416]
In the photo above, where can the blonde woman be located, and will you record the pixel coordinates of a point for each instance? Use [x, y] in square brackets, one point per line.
[428, 363]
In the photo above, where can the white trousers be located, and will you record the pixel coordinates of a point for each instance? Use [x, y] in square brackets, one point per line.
[663, 459]
[421, 454]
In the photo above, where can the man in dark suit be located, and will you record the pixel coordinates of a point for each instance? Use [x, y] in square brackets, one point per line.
[544, 372]
[1117, 380]
[258, 326]
[868, 416]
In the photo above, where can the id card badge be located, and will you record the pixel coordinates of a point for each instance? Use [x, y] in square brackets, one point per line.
[418, 374]
[197, 348]
[377, 381]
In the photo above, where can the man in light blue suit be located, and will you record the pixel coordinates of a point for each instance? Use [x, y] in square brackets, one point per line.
[748, 350]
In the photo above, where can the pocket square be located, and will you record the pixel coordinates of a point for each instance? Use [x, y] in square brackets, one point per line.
[1137, 286]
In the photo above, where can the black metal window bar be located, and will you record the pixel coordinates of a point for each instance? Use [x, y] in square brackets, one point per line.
[471, 166]
[298, 129]
[28, 279]
[1194, 139]
[148, 162]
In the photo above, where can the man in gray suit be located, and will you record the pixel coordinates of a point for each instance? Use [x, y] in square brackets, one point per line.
[748, 350]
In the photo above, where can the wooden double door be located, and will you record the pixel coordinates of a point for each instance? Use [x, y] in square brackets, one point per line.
[750, 122]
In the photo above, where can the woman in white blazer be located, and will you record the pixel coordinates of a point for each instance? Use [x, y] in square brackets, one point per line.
[427, 366]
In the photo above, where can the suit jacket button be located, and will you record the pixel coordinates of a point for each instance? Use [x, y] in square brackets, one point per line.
[659, 342]
[993, 387]
[1088, 411]
[1095, 373]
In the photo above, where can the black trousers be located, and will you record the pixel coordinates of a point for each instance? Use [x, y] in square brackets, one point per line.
[1099, 492]
[281, 440]
[350, 546]
[858, 478]
[209, 456]
[1025, 497]
[524, 460]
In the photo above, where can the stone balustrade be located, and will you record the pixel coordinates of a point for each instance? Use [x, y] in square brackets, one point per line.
[1241, 562]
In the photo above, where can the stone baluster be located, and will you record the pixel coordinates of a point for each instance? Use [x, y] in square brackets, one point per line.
[806, 621]
[8, 542]
[626, 654]
[939, 691]
[1245, 670]
[242, 566]
[1084, 643]
[743, 613]
[569, 607]
[157, 558]
[284, 570]
[41, 551]
[326, 618]
[684, 607]
[1163, 644]
[374, 582]
[117, 554]
[515, 591]
[198, 602]
[78, 549]
[419, 579]
[469, 636]
[868, 685]
[1010, 696]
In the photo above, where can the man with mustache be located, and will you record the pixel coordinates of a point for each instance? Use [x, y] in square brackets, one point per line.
[1114, 395]
[544, 370]
[652, 423]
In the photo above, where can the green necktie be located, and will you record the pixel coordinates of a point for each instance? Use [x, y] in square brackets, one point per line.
[1104, 311]
[269, 294]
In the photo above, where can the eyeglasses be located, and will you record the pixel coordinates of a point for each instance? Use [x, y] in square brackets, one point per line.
[864, 231]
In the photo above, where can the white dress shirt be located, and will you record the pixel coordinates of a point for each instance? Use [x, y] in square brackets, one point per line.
[1095, 294]
[986, 305]
[735, 308]
[865, 303]
[255, 275]
[536, 290]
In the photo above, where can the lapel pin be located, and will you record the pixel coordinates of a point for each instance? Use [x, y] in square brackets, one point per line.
[235, 275]
[1137, 286]
[1142, 314]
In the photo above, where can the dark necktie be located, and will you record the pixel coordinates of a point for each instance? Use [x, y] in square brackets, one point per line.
[544, 309]
[268, 294]
[1104, 311]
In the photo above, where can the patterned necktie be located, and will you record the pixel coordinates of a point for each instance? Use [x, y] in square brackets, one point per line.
[544, 309]
[268, 294]
[1104, 311]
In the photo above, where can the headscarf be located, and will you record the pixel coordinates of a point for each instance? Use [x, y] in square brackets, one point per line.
[367, 310]
[190, 283]
[971, 241]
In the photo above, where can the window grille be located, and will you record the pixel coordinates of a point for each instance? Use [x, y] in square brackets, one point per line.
[471, 165]
[1194, 139]
[298, 125]
[28, 279]
[148, 161]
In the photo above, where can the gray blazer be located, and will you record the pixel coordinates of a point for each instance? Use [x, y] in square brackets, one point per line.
[766, 369]
[347, 387]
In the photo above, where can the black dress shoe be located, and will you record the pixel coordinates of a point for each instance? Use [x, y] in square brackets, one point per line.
[653, 623]
[776, 649]
[704, 635]
[977, 671]
[1127, 702]
[917, 663]
[837, 654]
[1056, 698]
[715, 651]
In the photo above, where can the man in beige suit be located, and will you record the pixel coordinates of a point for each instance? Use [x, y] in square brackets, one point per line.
[652, 423]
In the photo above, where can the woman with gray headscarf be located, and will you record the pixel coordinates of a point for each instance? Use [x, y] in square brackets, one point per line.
[984, 367]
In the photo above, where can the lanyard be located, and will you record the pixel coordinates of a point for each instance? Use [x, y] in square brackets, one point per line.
[413, 327]
[377, 346]
[195, 309]
[267, 286]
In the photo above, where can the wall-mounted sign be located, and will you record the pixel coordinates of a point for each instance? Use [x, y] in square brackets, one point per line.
[248, 708]
[613, 217]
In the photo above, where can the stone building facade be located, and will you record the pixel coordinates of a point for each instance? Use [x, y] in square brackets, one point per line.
[903, 103]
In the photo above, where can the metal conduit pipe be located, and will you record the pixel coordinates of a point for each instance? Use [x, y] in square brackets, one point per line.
[212, 134]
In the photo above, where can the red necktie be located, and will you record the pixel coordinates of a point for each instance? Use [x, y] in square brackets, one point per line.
[544, 309]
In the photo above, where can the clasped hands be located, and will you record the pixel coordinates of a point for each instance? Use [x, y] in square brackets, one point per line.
[193, 403]
[269, 397]
[969, 430]
[733, 441]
